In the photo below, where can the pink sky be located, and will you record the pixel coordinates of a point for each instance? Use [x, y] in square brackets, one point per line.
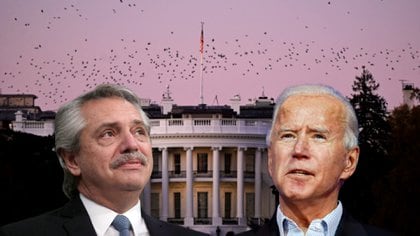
[57, 49]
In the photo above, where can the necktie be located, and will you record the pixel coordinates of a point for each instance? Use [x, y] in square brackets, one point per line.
[122, 225]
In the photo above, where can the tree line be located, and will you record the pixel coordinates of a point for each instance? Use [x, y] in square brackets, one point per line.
[384, 189]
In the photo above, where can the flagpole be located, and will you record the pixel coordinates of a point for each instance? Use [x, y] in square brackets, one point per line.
[201, 63]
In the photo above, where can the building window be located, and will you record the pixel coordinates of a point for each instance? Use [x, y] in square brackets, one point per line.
[202, 205]
[154, 209]
[228, 204]
[156, 173]
[156, 163]
[177, 205]
[249, 164]
[249, 205]
[177, 163]
[228, 160]
[202, 162]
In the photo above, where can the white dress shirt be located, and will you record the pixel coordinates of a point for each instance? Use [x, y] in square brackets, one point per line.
[102, 217]
[325, 226]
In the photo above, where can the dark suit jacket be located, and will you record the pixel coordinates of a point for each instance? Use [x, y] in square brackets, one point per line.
[347, 227]
[73, 219]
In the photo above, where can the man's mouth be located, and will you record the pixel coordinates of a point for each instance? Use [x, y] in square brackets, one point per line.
[300, 172]
[131, 163]
[130, 159]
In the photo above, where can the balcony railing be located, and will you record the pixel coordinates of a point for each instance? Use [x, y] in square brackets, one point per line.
[156, 175]
[249, 174]
[227, 174]
[177, 174]
[217, 125]
[256, 221]
[230, 221]
[208, 174]
[178, 221]
[41, 128]
[202, 221]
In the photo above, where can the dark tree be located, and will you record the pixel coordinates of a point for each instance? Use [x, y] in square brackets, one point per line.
[30, 176]
[372, 114]
[371, 110]
[416, 94]
[399, 190]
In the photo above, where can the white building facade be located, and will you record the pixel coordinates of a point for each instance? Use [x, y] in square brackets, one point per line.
[210, 167]
[36, 127]
[18, 112]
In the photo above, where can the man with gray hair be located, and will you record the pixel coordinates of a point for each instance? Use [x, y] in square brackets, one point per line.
[102, 139]
[312, 150]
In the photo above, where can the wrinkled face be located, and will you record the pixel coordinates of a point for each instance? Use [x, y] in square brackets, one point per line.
[115, 150]
[307, 157]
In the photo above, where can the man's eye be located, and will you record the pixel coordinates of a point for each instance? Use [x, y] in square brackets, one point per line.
[107, 134]
[320, 137]
[141, 133]
[286, 136]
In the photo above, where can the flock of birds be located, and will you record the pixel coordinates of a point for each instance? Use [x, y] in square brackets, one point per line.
[133, 61]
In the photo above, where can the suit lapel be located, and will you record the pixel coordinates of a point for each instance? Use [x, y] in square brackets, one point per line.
[153, 225]
[76, 220]
[271, 228]
[349, 226]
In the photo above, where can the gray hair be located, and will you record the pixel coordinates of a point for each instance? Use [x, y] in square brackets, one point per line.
[351, 130]
[69, 123]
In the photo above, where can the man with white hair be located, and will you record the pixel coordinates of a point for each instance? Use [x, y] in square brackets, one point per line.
[102, 139]
[312, 150]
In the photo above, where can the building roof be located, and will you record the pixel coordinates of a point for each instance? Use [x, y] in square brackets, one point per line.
[202, 109]
[18, 95]
[8, 114]
[254, 111]
[154, 111]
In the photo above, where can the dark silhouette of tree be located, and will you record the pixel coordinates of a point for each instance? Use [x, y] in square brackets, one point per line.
[30, 176]
[398, 193]
[371, 110]
[416, 94]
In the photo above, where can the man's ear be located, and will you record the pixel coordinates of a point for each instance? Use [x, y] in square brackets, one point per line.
[352, 158]
[69, 159]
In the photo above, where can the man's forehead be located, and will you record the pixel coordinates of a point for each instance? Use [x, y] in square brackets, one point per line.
[300, 97]
[111, 110]
[316, 109]
[312, 102]
[119, 123]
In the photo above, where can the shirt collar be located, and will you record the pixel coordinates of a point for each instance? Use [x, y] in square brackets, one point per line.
[333, 218]
[102, 217]
[330, 222]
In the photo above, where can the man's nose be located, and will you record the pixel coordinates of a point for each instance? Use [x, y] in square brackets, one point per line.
[300, 148]
[129, 143]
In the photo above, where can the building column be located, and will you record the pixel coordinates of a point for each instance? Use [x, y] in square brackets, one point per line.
[240, 186]
[145, 198]
[189, 216]
[257, 186]
[165, 185]
[216, 220]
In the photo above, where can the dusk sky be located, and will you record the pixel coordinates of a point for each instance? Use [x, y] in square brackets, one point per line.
[59, 49]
